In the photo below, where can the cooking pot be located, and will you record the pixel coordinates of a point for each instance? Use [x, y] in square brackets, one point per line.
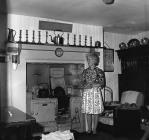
[43, 93]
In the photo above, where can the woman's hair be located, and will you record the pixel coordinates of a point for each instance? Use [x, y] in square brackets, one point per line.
[93, 56]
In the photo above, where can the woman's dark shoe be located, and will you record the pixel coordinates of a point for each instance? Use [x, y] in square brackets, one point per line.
[89, 133]
[94, 132]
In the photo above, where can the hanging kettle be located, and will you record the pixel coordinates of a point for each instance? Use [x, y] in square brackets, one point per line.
[11, 35]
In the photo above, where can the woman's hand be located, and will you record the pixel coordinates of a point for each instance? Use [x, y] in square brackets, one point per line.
[96, 85]
[81, 92]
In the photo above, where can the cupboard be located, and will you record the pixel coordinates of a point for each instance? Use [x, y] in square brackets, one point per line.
[135, 70]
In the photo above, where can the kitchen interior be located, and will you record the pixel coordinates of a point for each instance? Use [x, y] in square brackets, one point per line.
[44, 46]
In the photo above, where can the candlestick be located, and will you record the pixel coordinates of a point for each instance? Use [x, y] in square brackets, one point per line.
[20, 36]
[85, 40]
[26, 36]
[79, 40]
[47, 37]
[74, 40]
[90, 40]
[33, 41]
[68, 39]
[39, 37]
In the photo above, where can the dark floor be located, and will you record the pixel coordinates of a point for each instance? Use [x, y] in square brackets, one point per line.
[108, 133]
[102, 135]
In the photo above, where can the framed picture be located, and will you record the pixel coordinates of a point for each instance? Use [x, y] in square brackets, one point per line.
[108, 60]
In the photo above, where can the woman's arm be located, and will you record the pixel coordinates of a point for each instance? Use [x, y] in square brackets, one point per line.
[82, 79]
[100, 80]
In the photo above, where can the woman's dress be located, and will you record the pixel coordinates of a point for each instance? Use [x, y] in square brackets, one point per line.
[92, 101]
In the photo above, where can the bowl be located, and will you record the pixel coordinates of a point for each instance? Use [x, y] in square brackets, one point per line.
[122, 46]
[133, 43]
[145, 41]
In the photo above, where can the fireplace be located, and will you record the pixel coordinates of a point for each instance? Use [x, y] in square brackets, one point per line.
[63, 100]
[58, 81]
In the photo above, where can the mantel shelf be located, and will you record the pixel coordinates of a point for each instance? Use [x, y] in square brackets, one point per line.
[44, 44]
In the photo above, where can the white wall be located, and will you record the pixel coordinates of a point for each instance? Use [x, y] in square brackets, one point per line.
[17, 79]
[113, 40]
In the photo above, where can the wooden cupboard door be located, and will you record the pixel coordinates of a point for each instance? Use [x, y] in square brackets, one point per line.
[132, 81]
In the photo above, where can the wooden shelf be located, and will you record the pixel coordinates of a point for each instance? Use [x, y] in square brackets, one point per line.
[74, 46]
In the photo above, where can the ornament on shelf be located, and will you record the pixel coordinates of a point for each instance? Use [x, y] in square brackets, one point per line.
[98, 44]
[20, 36]
[39, 37]
[85, 40]
[91, 41]
[122, 46]
[79, 40]
[74, 43]
[145, 41]
[68, 39]
[11, 35]
[33, 41]
[26, 36]
[46, 37]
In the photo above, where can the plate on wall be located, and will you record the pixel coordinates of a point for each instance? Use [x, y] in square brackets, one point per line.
[59, 52]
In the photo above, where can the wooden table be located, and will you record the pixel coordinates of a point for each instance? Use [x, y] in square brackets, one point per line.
[15, 124]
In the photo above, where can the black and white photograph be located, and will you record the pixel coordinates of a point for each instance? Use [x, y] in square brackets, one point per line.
[74, 70]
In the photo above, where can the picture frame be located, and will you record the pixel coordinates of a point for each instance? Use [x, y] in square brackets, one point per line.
[108, 60]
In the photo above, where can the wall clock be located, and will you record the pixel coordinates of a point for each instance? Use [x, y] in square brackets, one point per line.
[59, 52]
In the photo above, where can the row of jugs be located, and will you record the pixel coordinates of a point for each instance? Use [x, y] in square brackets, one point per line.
[57, 39]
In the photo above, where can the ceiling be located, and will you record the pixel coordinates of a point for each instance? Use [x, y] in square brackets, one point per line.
[124, 16]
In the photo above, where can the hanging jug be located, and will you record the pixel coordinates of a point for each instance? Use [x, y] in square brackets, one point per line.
[11, 35]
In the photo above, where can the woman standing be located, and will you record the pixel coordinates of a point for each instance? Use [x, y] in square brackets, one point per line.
[92, 81]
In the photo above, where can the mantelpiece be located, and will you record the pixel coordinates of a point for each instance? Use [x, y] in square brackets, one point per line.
[51, 47]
